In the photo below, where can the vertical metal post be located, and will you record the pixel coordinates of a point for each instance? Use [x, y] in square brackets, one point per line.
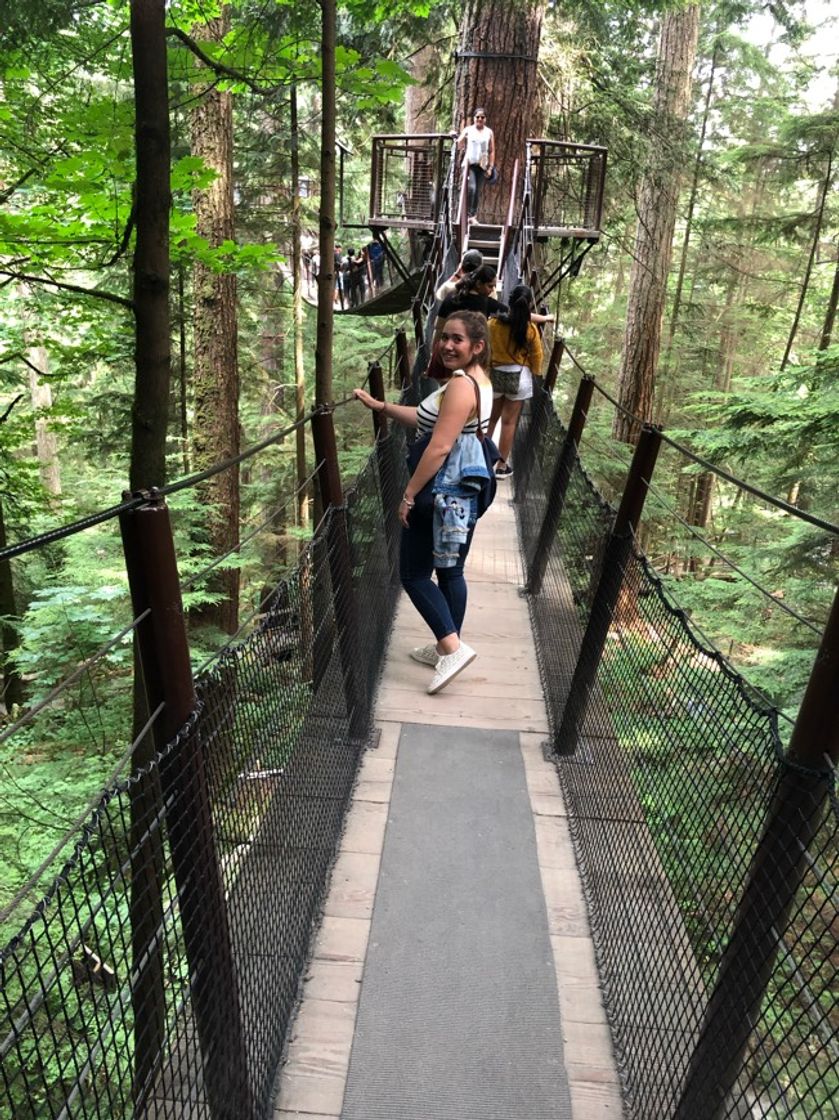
[416, 308]
[776, 873]
[375, 211]
[403, 358]
[384, 457]
[557, 350]
[377, 390]
[167, 676]
[340, 567]
[618, 551]
[559, 486]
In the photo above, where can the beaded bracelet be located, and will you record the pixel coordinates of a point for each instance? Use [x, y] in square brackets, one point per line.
[407, 501]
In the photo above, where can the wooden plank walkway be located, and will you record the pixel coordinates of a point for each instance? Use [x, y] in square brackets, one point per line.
[501, 689]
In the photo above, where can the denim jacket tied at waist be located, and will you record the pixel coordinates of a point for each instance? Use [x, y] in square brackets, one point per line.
[455, 498]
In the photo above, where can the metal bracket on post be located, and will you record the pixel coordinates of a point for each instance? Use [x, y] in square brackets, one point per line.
[167, 675]
[341, 570]
[618, 551]
[776, 873]
[563, 468]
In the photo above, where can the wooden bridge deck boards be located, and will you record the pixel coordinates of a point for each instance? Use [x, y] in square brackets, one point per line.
[501, 690]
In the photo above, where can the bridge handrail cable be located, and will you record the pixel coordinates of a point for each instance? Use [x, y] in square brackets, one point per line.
[706, 464]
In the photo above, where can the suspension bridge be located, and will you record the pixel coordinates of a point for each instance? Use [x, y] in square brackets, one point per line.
[591, 879]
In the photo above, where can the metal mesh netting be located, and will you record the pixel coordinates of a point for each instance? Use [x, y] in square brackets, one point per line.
[405, 173]
[568, 185]
[158, 975]
[669, 791]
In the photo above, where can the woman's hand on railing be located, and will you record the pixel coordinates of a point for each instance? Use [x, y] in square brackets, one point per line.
[373, 403]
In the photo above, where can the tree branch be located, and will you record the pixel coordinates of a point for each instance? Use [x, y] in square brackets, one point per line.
[219, 67]
[98, 293]
[6, 194]
[126, 237]
[5, 415]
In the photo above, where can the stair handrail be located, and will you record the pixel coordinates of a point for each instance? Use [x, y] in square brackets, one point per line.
[503, 244]
[463, 209]
[524, 234]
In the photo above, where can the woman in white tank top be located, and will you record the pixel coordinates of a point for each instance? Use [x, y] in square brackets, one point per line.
[464, 349]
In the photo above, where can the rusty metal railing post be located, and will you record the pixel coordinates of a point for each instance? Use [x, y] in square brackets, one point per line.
[617, 554]
[167, 676]
[403, 359]
[526, 449]
[776, 873]
[341, 570]
[559, 486]
[384, 458]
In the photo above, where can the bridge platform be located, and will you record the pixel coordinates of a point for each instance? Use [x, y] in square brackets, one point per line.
[453, 975]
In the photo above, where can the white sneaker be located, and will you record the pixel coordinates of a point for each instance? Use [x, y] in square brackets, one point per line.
[426, 655]
[449, 665]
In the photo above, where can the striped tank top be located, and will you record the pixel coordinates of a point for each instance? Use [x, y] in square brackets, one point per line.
[428, 409]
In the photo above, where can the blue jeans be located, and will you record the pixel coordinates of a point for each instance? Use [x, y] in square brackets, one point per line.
[473, 187]
[441, 604]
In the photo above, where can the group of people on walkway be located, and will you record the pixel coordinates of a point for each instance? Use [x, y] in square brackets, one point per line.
[359, 273]
[485, 357]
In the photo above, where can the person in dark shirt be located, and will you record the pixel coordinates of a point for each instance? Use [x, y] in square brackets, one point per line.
[473, 293]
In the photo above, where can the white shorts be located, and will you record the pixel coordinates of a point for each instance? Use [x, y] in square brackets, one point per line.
[505, 384]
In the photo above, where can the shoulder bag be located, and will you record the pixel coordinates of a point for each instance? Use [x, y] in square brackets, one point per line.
[424, 499]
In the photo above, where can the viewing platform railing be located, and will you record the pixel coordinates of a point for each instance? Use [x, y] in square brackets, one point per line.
[406, 175]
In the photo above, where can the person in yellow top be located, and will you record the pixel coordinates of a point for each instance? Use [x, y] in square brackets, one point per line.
[516, 348]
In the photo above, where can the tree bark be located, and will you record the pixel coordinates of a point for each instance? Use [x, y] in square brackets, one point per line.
[297, 309]
[497, 69]
[215, 430]
[694, 192]
[830, 314]
[326, 217]
[150, 410]
[45, 441]
[421, 98]
[656, 219]
[148, 468]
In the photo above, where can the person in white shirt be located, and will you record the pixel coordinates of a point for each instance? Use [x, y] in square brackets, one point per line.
[478, 142]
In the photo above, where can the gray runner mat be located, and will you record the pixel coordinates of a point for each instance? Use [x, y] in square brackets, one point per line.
[459, 1014]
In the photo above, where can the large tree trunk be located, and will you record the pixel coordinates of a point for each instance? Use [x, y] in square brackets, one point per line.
[150, 411]
[656, 218]
[215, 432]
[830, 314]
[497, 69]
[421, 98]
[326, 217]
[45, 441]
[297, 306]
[148, 468]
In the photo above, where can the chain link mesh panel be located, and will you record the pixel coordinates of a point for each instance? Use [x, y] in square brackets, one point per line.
[157, 977]
[676, 769]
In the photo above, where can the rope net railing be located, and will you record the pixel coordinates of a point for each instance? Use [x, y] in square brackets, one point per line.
[155, 974]
[709, 860]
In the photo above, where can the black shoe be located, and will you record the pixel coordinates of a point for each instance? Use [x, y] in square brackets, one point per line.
[502, 469]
